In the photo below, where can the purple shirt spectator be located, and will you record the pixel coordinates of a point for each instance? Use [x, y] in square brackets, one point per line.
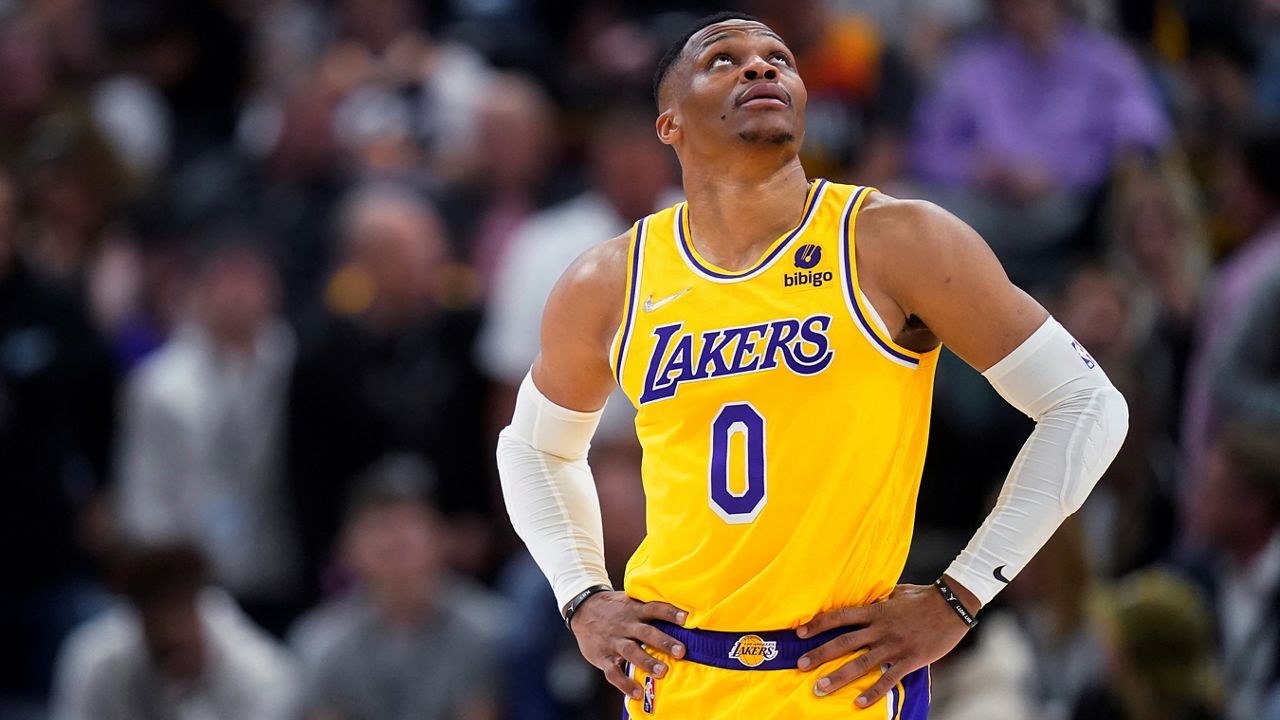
[1233, 288]
[1067, 113]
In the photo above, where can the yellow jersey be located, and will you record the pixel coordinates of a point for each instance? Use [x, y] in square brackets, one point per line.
[783, 430]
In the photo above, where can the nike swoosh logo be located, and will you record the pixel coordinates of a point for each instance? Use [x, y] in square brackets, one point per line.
[999, 575]
[650, 305]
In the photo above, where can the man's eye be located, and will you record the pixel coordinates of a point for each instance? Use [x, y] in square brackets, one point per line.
[721, 59]
[780, 58]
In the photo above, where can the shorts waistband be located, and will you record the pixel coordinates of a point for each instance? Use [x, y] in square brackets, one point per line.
[768, 650]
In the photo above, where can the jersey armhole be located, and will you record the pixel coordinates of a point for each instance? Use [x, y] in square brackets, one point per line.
[860, 308]
[635, 251]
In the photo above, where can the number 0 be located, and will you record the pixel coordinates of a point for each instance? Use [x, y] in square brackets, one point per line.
[737, 508]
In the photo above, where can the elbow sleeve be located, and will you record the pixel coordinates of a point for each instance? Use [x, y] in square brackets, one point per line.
[549, 492]
[1081, 421]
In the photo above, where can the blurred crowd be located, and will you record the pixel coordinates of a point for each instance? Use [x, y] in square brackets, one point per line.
[271, 271]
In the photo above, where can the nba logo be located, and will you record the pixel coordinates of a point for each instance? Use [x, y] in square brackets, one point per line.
[807, 256]
[1089, 362]
[650, 692]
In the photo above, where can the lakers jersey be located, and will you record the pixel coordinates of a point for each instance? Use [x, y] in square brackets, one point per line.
[783, 429]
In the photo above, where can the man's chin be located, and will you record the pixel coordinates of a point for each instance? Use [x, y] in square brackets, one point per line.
[771, 137]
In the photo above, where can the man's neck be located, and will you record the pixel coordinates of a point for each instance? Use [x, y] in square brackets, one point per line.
[737, 212]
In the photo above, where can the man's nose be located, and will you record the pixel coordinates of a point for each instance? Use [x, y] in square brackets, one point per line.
[758, 68]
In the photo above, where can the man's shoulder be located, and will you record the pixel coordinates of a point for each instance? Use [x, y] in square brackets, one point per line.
[884, 218]
[904, 242]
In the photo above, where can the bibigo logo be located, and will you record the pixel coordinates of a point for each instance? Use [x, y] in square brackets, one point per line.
[751, 650]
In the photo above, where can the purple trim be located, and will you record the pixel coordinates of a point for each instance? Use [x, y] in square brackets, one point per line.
[629, 318]
[626, 670]
[712, 647]
[853, 292]
[915, 695]
[685, 247]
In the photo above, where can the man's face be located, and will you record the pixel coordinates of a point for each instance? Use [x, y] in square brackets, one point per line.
[736, 80]
[395, 548]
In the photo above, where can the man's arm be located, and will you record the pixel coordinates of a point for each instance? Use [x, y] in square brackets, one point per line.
[918, 262]
[546, 482]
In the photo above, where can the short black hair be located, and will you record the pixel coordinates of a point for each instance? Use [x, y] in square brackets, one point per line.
[677, 48]
[394, 478]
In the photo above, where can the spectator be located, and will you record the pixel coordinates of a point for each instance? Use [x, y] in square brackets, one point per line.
[1248, 380]
[321, 126]
[1157, 242]
[1024, 127]
[564, 686]
[631, 176]
[438, 84]
[201, 454]
[923, 29]
[415, 642]
[1096, 307]
[511, 159]
[387, 369]
[1236, 509]
[860, 90]
[174, 648]
[987, 677]
[1249, 183]
[1160, 653]
[57, 387]
[1050, 598]
[75, 185]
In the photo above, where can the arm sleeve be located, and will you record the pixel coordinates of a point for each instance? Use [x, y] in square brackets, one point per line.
[550, 493]
[1081, 421]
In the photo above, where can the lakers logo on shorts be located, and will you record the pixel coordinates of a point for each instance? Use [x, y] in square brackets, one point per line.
[751, 650]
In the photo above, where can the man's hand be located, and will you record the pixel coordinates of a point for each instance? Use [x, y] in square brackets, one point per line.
[908, 630]
[611, 628]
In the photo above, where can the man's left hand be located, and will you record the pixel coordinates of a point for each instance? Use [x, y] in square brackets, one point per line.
[906, 631]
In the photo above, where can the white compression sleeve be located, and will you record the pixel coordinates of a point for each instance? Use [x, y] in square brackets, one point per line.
[549, 492]
[1081, 421]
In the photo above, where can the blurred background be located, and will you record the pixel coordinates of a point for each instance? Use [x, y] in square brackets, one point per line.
[271, 270]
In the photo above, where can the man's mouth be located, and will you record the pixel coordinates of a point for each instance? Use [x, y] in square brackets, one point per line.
[764, 95]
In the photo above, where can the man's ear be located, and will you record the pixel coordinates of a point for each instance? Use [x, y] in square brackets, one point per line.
[668, 126]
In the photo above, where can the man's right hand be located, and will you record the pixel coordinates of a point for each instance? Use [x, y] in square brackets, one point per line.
[611, 629]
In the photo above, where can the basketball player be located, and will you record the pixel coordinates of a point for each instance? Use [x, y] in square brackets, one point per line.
[778, 336]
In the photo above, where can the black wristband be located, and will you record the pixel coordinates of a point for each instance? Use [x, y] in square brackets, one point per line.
[572, 606]
[954, 601]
